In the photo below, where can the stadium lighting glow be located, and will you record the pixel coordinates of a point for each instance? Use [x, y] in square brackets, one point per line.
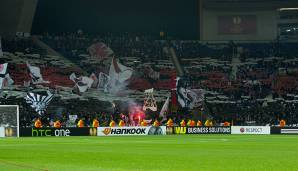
[287, 9]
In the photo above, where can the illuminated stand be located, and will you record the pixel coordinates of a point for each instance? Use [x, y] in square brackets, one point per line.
[149, 101]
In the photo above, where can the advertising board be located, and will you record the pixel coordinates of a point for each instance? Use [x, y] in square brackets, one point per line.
[126, 131]
[250, 130]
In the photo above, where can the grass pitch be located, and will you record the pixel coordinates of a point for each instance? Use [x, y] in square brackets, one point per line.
[183, 152]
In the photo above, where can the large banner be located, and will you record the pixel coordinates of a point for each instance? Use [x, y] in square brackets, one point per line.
[120, 131]
[237, 24]
[44, 132]
[250, 129]
[199, 130]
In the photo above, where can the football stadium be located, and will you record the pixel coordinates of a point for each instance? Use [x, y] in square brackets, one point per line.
[159, 85]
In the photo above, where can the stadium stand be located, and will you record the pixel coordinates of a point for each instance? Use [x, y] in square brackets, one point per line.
[261, 82]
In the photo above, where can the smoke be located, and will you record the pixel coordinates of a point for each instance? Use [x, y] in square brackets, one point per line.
[117, 89]
[136, 114]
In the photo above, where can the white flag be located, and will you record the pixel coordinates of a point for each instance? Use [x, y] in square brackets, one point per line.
[8, 81]
[3, 68]
[36, 75]
[82, 83]
[103, 80]
[1, 82]
[164, 109]
[118, 74]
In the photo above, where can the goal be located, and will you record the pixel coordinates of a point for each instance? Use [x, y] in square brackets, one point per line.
[9, 121]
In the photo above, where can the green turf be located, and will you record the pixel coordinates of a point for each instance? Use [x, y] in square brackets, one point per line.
[188, 152]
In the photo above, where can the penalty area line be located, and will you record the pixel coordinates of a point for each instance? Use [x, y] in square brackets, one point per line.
[22, 165]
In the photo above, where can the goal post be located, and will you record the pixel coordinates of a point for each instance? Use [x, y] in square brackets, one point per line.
[9, 121]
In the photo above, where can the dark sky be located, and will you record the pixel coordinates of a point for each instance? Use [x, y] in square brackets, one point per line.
[179, 18]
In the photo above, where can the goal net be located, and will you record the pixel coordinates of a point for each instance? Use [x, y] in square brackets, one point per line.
[9, 121]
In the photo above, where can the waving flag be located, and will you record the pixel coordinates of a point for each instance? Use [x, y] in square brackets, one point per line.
[3, 68]
[83, 83]
[7, 81]
[164, 109]
[1, 82]
[118, 74]
[103, 80]
[36, 75]
[39, 102]
[188, 98]
[100, 50]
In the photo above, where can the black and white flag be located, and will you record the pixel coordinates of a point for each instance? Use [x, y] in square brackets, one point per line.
[188, 98]
[39, 102]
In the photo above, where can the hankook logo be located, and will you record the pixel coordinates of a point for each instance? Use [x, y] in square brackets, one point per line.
[107, 131]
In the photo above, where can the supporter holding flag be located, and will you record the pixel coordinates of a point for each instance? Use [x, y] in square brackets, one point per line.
[57, 124]
[95, 123]
[37, 123]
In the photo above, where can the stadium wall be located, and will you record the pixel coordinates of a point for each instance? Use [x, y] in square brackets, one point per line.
[215, 23]
[16, 16]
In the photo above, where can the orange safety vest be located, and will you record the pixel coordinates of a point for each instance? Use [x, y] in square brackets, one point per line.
[156, 123]
[143, 123]
[192, 123]
[57, 124]
[282, 123]
[37, 124]
[170, 122]
[95, 123]
[81, 123]
[199, 123]
[112, 124]
[226, 124]
[121, 123]
[182, 123]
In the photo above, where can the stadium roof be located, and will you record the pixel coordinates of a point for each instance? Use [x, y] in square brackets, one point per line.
[249, 4]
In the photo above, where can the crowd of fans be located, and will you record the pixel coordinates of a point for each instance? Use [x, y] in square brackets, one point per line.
[258, 92]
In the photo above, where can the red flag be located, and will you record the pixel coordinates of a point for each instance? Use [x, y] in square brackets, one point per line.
[100, 50]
